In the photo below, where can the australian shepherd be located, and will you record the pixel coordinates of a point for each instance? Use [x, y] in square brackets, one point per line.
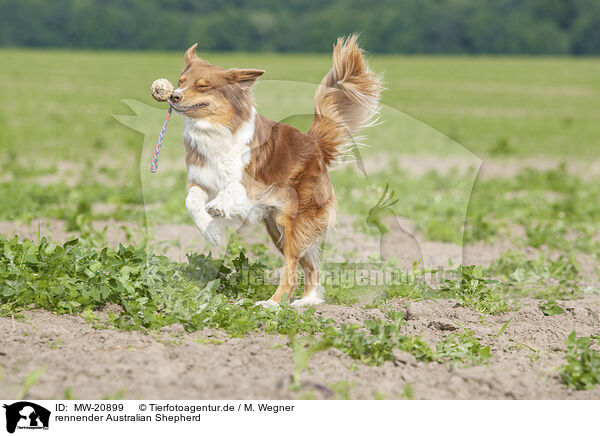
[243, 167]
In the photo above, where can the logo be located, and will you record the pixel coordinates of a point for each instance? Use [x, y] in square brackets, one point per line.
[26, 415]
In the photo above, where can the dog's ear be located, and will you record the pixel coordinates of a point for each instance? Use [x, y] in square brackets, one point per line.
[243, 77]
[190, 54]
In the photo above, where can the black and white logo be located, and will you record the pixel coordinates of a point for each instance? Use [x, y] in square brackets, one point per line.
[26, 416]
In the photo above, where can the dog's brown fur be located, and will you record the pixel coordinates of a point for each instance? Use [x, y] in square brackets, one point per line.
[288, 168]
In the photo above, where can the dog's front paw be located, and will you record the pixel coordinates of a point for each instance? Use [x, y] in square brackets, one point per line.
[220, 206]
[195, 204]
[215, 212]
[214, 233]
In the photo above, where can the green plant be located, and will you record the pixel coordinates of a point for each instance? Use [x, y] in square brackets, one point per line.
[375, 341]
[342, 295]
[582, 370]
[550, 307]
[502, 329]
[408, 392]
[303, 350]
[542, 277]
[411, 285]
[502, 148]
[119, 395]
[463, 347]
[55, 344]
[341, 390]
[152, 290]
[472, 290]
[30, 380]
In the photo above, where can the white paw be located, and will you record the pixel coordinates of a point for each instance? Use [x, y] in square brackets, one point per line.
[214, 233]
[221, 206]
[230, 202]
[267, 303]
[313, 299]
[195, 203]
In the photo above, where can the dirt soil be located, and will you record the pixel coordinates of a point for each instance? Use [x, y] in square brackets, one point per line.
[175, 364]
[95, 363]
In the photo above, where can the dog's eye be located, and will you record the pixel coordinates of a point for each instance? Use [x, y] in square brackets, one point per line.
[202, 85]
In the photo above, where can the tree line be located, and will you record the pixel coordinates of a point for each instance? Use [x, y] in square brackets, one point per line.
[386, 26]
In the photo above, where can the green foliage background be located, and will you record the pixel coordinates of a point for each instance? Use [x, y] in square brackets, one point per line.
[387, 26]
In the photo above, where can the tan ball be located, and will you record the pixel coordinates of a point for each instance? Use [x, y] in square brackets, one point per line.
[161, 89]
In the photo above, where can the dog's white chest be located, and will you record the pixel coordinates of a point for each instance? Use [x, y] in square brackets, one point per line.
[215, 176]
[225, 154]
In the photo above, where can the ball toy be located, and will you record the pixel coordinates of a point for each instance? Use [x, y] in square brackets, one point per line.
[161, 89]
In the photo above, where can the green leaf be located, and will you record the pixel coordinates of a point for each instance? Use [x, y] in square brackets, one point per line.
[550, 308]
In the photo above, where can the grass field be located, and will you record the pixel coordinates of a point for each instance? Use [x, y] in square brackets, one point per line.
[499, 264]
[543, 105]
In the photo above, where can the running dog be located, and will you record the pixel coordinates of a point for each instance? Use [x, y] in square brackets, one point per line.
[243, 167]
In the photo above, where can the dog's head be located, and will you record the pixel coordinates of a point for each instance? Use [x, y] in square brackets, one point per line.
[213, 94]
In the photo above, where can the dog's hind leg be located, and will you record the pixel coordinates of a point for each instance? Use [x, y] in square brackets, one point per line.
[308, 233]
[278, 229]
[298, 238]
[294, 245]
[309, 262]
[313, 291]
[291, 255]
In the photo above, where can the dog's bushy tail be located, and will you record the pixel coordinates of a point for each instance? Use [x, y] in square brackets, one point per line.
[346, 101]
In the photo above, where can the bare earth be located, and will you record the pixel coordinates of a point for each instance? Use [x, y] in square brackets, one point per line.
[174, 364]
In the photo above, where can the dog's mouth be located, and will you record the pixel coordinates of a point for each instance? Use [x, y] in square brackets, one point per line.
[182, 108]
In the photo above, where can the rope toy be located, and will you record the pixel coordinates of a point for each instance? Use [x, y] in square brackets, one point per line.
[161, 90]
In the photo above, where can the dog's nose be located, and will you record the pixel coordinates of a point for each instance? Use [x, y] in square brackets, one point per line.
[177, 96]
